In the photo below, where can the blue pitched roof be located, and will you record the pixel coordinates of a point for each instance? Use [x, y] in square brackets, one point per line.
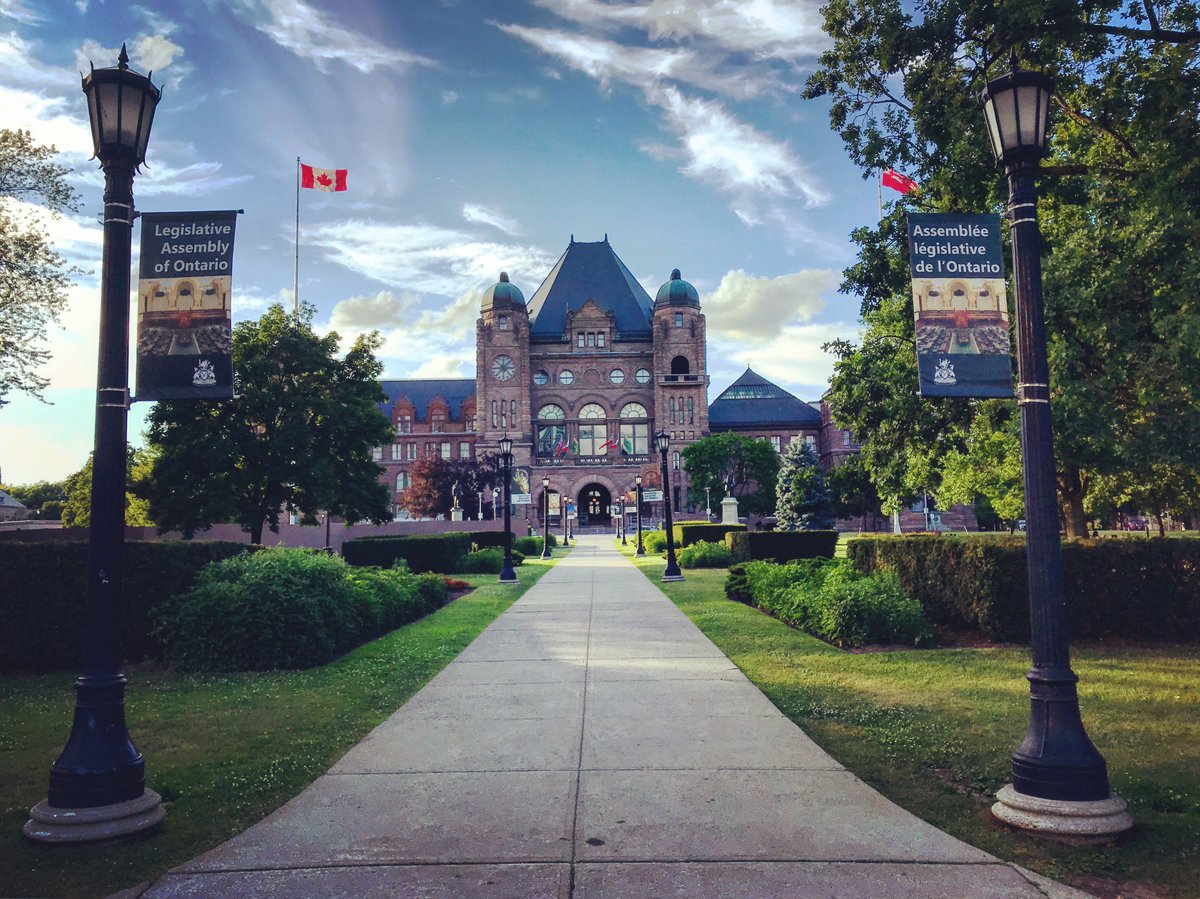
[754, 402]
[590, 271]
[421, 392]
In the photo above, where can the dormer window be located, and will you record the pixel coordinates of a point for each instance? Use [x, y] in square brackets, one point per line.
[580, 339]
[403, 424]
[600, 339]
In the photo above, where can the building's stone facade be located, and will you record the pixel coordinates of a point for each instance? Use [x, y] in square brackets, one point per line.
[581, 378]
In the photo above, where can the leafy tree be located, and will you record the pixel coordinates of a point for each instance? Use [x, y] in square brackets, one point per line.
[77, 505]
[431, 480]
[33, 277]
[750, 462]
[297, 434]
[44, 499]
[853, 492]
[802, 502]
[989, 465]
[1119, 199]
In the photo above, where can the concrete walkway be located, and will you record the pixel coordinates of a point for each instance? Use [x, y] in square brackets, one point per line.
[593, 742]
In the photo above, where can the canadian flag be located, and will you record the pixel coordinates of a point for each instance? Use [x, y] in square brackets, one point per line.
[896, 181]
[322, 179]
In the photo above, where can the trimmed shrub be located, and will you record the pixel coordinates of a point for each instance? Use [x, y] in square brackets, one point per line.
[654, 541]
[488, 539]
[688, 532]
[487, 561]
[782, 546]
[1132, 589]
[44, 598]
[704, 555]
[422, 552]
[529, 546]
[832, 600]
[288, 608]
[737, 584]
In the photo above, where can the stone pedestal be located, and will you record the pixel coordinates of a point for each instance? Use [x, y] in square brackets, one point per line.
[456, 514]
[1101, 819]
[729, 510]
[107, 823]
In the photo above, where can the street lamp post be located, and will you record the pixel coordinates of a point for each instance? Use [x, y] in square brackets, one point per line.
[97, 785]
[481, 505]
[563, 514]
[495, 503]
[672, 572]
[623, 527]
[546, 518]
[637, 481]
[507, 575]
[1060, 781]
[707, 504]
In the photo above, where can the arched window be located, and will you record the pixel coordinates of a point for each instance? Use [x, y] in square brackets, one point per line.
[680, 365]
[691, 411]
[494, 414]
[671, 413]
[552, 432]
[675, 460]
[593, 430]
[635, 433]
[402, 481]
[512, 413]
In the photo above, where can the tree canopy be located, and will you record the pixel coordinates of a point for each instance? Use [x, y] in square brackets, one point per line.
[750, 462]
[33, 277]
[802, 502]
[77, 505]
[297, 434]
[1120, 194]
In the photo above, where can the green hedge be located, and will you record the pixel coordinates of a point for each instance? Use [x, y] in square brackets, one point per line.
[488, 539]
[487, 561]
[44, 597]
[782, 546]
[704, 555]
[654, 541]
[288, 608]
[831, 599]
[422, 552]
[1134, 589]
[688, 532]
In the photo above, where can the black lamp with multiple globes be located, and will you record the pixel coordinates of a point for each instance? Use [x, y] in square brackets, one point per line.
[97, 785]
[671, 572]
[637, 484]
[507, 574]
[1060, 781]
[545, 518]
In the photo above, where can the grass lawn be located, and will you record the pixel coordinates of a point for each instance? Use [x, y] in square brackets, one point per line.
[222, 750]
[933, 730]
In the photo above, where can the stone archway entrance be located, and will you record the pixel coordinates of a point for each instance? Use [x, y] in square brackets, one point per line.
[595, 506]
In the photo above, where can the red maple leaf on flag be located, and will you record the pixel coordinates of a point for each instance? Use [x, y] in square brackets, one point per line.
[324, 180]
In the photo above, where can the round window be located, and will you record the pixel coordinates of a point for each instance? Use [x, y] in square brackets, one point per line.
[616, 376]
[540, 377]
[643, 376]
[566, 376]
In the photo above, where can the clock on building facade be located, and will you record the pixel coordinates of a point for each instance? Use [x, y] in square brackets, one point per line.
[503, 368]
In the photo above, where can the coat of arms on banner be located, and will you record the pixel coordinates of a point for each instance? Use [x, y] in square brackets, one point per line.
[944, 373]
[204, 376]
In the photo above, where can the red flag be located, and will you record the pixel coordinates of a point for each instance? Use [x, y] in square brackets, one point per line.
[322, 179]
[896, 181]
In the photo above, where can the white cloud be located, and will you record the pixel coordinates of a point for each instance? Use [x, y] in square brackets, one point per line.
[788, 30]
[19, 12]
[755, 309]
[312, 34]
[425, 258]
[793, 358]
[384, 311]
[449, 97]
[482, 215]
[443, 367]
[191, 180]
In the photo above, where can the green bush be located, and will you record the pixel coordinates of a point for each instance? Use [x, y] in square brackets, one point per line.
[529, 546]
[704, 555]
[422, 552]
[44, 597]
[288, 608]
[1131, 589]
[654, 541]
[487, 561]
[782, 546]
[832, 600]
[688, 532]
[487, 539]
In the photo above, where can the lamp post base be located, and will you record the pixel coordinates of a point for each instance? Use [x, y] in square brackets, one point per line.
[667, 578]
[105, 823]
[1099, 819]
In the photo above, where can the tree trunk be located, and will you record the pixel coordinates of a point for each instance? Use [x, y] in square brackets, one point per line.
[1070, 502]
[256, 532]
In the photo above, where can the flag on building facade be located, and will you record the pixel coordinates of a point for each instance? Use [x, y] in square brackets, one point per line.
[322, 179]
[896, 181]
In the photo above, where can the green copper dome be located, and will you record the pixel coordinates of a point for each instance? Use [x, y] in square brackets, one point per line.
[677, 292]
[502, 295]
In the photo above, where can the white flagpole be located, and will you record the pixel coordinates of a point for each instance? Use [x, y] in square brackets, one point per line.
[296, 266]
[878, 188]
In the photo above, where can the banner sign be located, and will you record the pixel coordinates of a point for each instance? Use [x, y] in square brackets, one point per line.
[959, 305]
[652, 496]
[184, 343]
[522, 499]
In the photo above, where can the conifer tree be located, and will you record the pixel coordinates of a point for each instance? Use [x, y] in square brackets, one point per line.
[802, 501]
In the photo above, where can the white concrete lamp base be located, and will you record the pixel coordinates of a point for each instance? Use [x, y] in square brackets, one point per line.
[1062, 817]
[668, 578]
[49, 824]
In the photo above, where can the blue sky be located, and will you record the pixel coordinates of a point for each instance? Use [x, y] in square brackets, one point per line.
[479, 136]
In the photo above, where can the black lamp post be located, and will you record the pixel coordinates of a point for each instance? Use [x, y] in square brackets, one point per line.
[637, 482]
[546, 518]
[1060, 782]
[98, 786]
[507, 575]
[672, 572]
[622, 522]
[563, 514]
